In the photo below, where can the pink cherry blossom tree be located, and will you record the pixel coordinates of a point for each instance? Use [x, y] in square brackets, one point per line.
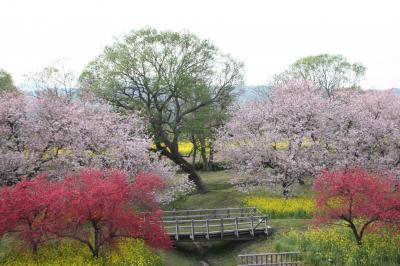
[296, 131]
[272, 140]
[363, 131]
[58, 137]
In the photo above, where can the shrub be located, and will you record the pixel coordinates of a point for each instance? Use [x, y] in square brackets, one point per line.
[336, 246]
[214, 166]
[282, 208]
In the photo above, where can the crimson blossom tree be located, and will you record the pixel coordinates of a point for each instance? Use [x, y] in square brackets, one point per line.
[98, 209]
[94, 207]
[27, 210]
[57, 136]
[358, 199]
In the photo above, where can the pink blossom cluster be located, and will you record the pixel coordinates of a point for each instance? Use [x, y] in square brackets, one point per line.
[296, 131]
[59, 137]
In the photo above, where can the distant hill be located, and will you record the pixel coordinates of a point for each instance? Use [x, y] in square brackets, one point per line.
[396, 91]
[250, 92]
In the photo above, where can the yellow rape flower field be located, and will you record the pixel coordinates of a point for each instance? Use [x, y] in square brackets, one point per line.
[185, 147]
[129, 252]
[336, 245]
[282, 208]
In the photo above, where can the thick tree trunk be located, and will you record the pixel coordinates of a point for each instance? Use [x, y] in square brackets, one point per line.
[286, 189]
[204, 153]
[355, 232]
[194, 142]
[193, 176]
[188, 168]
[35, 248]
[96, 249]
[211, 155]
[171, 152]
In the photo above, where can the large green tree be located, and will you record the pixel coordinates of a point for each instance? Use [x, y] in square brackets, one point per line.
[169, 76]
[6, 82]
[329, 72]
[201, 128]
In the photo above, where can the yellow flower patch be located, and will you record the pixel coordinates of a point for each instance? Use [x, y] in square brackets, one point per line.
[335, 245]
[129, 252]
[282, 208]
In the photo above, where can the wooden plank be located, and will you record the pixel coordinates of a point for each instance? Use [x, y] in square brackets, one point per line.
[227, 219]
[218, 209]
[208, 212]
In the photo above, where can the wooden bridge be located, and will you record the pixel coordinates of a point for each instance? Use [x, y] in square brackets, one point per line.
[271, 259]
[215, 224]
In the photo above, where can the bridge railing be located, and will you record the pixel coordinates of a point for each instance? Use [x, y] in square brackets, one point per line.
[217, 226]
[271, 259]
[203, 214]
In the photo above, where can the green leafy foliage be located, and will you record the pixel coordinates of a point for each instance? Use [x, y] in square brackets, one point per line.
[329, 72]
[171, 77]
[6, 82]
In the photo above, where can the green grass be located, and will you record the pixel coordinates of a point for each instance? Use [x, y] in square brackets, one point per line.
[221, 195]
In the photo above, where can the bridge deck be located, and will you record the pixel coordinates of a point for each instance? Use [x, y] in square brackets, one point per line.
[215, 224]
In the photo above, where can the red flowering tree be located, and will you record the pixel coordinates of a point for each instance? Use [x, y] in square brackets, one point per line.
[27, 209]
[358, 199]
[100, 207]
[95, 208]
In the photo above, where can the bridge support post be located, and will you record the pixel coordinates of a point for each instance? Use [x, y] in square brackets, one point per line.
[192, 233]
[237, 227]
[176, 230]
[252, 226]
[222, 228]
[266, 226]
[207, 230]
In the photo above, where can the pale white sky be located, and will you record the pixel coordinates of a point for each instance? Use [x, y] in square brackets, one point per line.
[266, 35]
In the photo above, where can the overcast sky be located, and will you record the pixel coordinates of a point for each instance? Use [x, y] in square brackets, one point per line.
[266, 35]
